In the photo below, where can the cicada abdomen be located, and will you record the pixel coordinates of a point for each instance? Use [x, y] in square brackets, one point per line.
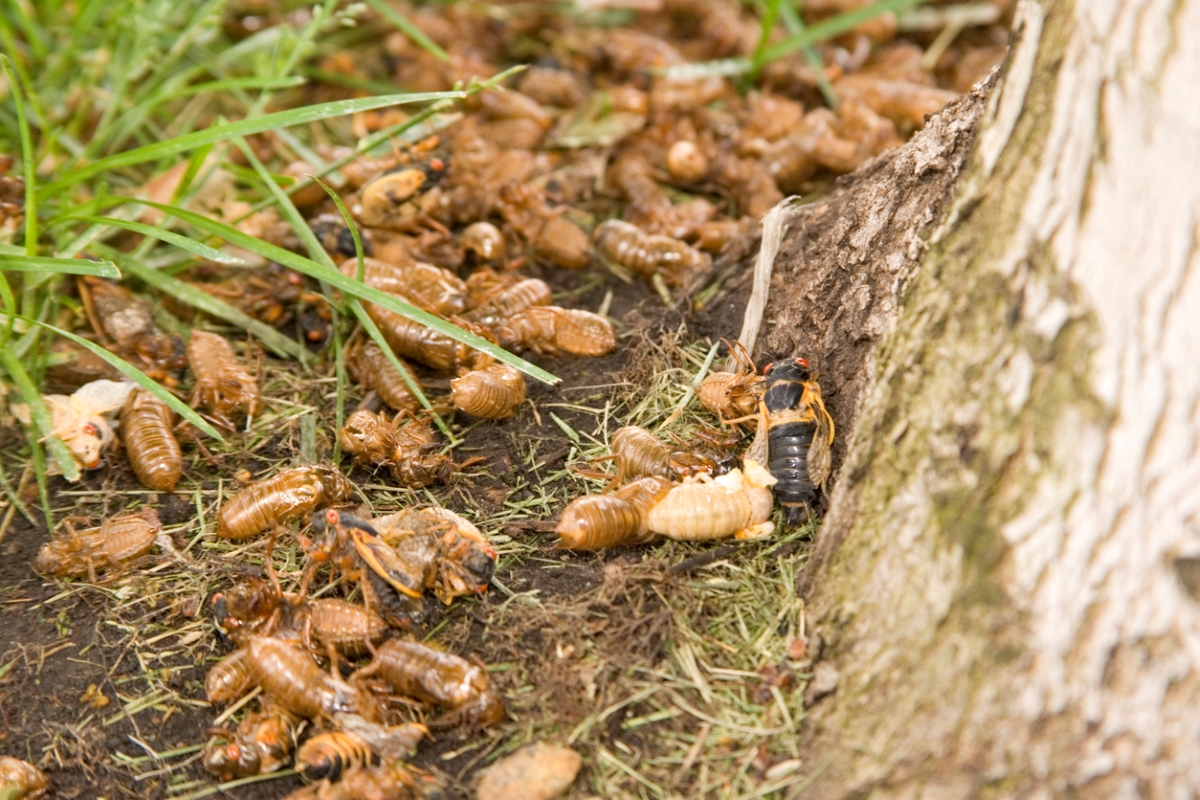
[799, 435]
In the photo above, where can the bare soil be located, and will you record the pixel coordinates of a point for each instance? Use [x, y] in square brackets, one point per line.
[143, 640]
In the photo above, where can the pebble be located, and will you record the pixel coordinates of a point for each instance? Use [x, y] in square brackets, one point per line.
[535, 772]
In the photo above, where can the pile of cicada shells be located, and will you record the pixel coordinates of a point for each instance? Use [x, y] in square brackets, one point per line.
[355, 737]
[598, 155]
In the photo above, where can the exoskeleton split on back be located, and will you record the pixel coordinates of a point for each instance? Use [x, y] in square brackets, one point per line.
[735, 504]
[291, 493]
[223, 386]
[118, 541]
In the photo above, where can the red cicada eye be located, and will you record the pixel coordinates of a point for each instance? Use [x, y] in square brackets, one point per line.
[767, 368]
[331, 517]
[802, 362]
[437, 164]
[90, 429]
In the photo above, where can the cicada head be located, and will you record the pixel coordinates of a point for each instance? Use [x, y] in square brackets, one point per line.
[231, 759]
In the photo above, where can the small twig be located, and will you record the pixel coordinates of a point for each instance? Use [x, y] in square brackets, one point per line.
[702, 560]
[774, 226]
[8, 515]
[694, 751]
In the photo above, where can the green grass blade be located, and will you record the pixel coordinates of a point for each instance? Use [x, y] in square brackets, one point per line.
[195, 164]
[373, 330]
[179, 240]
[433, 112]
[826, 29]
[228, 84]
[40, 417]
[18, 91]
[10, 45]
[34, 34]
[791, 19]
[214, 306]
[68, 266]
[292, 214]
[407, 28]
[39, 473]
[767, 24]
[10, 308]
[837, 25]
[216, 133]
[376, 335]
[137, 376]
[349, 81]
[286, 207]
[348, 285]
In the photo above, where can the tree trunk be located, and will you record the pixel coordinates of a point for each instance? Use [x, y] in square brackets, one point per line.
[1003, 597]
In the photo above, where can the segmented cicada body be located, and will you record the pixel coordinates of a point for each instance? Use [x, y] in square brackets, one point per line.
[262, 743]
[149, 436]
[290, 677]
[430, 288]
[372, 369]
[27, 781]
[596, 521]
[331, 754]
[393, 781]
[492, 391]
[407, 450]
[223, 386]
[735, 504]
[229, 678]
[118, 541]
[550, 329]
[443, 679]
[639, 453]
[416, 342]
[647, 254]
[799, 436]
[290, 494]
[449, 551]
[493, 307]
[347, 627]
[733, 395]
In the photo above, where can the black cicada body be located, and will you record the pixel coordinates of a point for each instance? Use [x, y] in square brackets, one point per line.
[799, 435]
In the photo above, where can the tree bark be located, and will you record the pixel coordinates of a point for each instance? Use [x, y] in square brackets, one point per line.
[1006, 316]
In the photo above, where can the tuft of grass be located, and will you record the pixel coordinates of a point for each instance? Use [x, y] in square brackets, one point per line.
[230, 130]
[800, 38]
[795, 26]
[101, 104]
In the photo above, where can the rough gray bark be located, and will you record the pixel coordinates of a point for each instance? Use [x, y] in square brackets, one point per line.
[1004, 592]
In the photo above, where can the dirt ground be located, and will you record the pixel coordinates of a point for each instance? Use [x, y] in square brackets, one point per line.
[103, 685]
